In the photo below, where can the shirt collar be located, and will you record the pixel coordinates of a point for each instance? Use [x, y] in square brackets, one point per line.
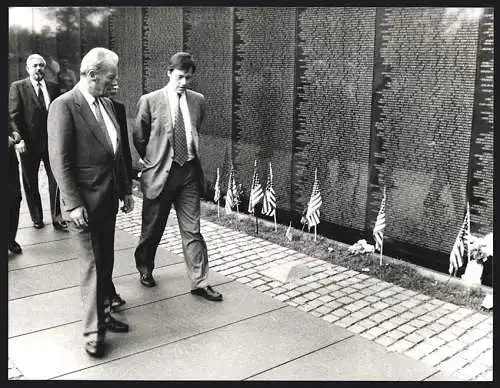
[172, 93]
[35, 84]
[89, 97]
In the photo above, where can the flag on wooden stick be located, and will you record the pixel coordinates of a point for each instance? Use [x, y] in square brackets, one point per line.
[269, 200]
[217, 187]
[229, 194]
[256, 193]
[288, 233]
[236, 193]
[461, 242]
[315, 202]
[378, 229]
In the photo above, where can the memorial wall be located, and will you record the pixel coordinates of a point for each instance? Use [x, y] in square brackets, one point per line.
[373, 98]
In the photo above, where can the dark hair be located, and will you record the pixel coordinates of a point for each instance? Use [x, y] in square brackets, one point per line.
[181, 61]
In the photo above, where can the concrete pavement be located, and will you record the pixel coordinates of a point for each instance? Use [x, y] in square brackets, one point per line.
[335, 324]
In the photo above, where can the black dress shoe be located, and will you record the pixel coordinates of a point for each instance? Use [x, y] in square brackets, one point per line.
[117, 301]
[60, 225]
[14, 247]
[208, 293]
[115, 325]
[39, 224]
[94, 348]
[147, 280]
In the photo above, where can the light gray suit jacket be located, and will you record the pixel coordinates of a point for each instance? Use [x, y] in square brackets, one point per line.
[153, 138]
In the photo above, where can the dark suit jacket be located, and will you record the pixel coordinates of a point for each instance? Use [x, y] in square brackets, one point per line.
[153, 138]
[87, 171]
[26, 115]
[121, 117]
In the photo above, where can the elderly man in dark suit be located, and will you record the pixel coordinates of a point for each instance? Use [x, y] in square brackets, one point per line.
[166, 138]
[29, 100]
[14, 193]
[87, 160]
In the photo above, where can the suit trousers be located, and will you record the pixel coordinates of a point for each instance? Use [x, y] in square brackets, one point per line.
[96, 251]
[181, 190]
[30, 165]
[14, 196]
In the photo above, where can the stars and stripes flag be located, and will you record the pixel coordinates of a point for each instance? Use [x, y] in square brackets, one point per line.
[461, 242]
[269, 200]
[256, 193]
[236, 192]
[378, 229]
[315, 202]
[288, 233]
[217, 187]
[229, 194]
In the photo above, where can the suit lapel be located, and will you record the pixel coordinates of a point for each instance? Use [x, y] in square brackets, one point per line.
[166, 116]
[111, 111]
[87, 115]
[193, 111]
[30, 91]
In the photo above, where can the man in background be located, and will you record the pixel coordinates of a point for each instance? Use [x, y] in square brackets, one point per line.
[29, 100]
[14, 193]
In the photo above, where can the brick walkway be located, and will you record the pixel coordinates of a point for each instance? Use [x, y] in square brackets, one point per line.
[451, 338]
[454, 339]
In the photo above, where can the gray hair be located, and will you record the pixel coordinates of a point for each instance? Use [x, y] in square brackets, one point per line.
[33, 57]
[96, 59]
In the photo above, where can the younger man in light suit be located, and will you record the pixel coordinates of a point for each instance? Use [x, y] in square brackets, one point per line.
[166, 138]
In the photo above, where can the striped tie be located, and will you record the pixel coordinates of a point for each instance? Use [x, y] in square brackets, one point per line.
[180, 142]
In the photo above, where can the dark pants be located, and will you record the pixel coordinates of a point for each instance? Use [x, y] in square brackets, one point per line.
[96, 246]
[30, 165]
[181, 190]
[14, 196]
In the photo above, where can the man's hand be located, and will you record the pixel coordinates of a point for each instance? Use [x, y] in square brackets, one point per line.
[21, 147]
[128, 203]
[79, 216]
[12, 142]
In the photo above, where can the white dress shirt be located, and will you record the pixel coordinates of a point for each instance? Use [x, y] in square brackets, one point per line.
[109, 124]
[173, 100]
[45, 92]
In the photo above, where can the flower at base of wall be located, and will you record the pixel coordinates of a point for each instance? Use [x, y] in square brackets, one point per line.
[481, 248]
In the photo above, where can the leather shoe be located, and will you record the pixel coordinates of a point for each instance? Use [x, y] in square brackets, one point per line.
[14, 247]
[115, 325]
[60, 225]
[39, 224]
[147, 280]
[117, 301]
[208, 293]
[94, 348]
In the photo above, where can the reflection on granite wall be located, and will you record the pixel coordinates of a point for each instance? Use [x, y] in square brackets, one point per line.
[400, 98]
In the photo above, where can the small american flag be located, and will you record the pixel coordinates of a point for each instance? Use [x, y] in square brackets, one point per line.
[236, 192]
[229, 194]
[315, 202]
[288, 233]
[269, 203]
[256, 193]
[378, 229]
[457, 252]
[217, 188]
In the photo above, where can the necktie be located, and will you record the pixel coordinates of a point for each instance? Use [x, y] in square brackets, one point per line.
[180, 142]
[101, 122]
[41, 100]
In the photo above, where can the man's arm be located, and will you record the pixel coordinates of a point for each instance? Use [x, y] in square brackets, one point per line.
[16, 117]
[142, 127]
[122, 122]
[61, 141]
